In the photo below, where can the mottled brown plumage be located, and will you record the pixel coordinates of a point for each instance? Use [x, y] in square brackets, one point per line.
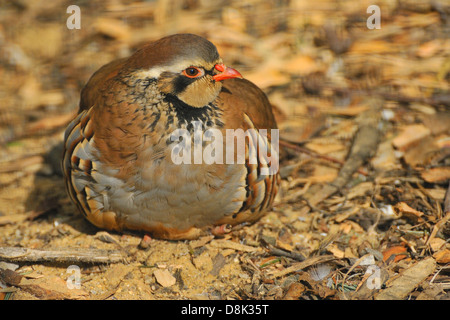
[117, 158]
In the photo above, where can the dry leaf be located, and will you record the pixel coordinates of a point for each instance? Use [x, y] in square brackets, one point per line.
[201, 241]
[51, 288]
[349, 253]
[350, 112]
[116, 273]
[410, 135]
[438, 123]
[398, 251]
[436, 175]
[50, 122]
[408, 280]
[385, 158]
[267, 77]
[329, 177]
[222, 244]
[402, 209]
[301, 65]
[113, 28]
[21, 164]
[442, 256]
[417, 19]
[298, 131]
[12, 219]
[338, 253]
[429, 48]
[372, 47]
[10, 277]
[325, 148]
[421, 153]
[436, 244]
[360, 190]
[295, 291]
[164, 277]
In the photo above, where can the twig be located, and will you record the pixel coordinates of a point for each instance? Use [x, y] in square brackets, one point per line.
[436, 100]
[283, 253]
[364, 146]
[443, 221]
[437, 227]
[447, 199]
[300, 149]
[18, 165]
[443, 99]
[70, 255]
[302, 265]
[357, 263]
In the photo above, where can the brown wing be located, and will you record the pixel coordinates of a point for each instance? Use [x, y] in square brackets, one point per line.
[242, 96]
[246, 106]
[89, 94]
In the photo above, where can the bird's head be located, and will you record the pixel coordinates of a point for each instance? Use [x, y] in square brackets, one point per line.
[185, 66]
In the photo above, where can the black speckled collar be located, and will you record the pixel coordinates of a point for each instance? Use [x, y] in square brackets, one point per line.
[208, 115]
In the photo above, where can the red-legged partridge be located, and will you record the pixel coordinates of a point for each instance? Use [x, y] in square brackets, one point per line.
[120, 163]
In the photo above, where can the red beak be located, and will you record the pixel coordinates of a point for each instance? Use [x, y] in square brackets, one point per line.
[227, 73]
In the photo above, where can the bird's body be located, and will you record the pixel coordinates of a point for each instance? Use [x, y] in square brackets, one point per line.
[118, 157]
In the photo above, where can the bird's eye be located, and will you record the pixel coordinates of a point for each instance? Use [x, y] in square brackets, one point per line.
[193, 72]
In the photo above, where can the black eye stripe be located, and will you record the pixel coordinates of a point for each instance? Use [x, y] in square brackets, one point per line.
[210, 72]
[180, 83]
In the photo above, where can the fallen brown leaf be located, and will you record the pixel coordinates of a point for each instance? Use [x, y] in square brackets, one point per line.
[429, 48]
[113, 28]
[51, 288]
[421, 153]
[437, 122]
[371, 47]
[48, 288]
[410, 135]
[442, 256]
[408, 280]
[301, 65]
[399, 252]
[21, 164]
[50, 122]
[12, 219]
[436, 175]
[404, 210]
[164, 277]
[295, 291]
[228, 244]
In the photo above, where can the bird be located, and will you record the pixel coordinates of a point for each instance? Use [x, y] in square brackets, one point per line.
[117, 160]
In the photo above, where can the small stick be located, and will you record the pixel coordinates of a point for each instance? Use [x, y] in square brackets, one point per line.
[364, 147]
[443, 221]
[302, 265]
[70, 255]
[283, 253]
[447, 200]
[300, 149]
